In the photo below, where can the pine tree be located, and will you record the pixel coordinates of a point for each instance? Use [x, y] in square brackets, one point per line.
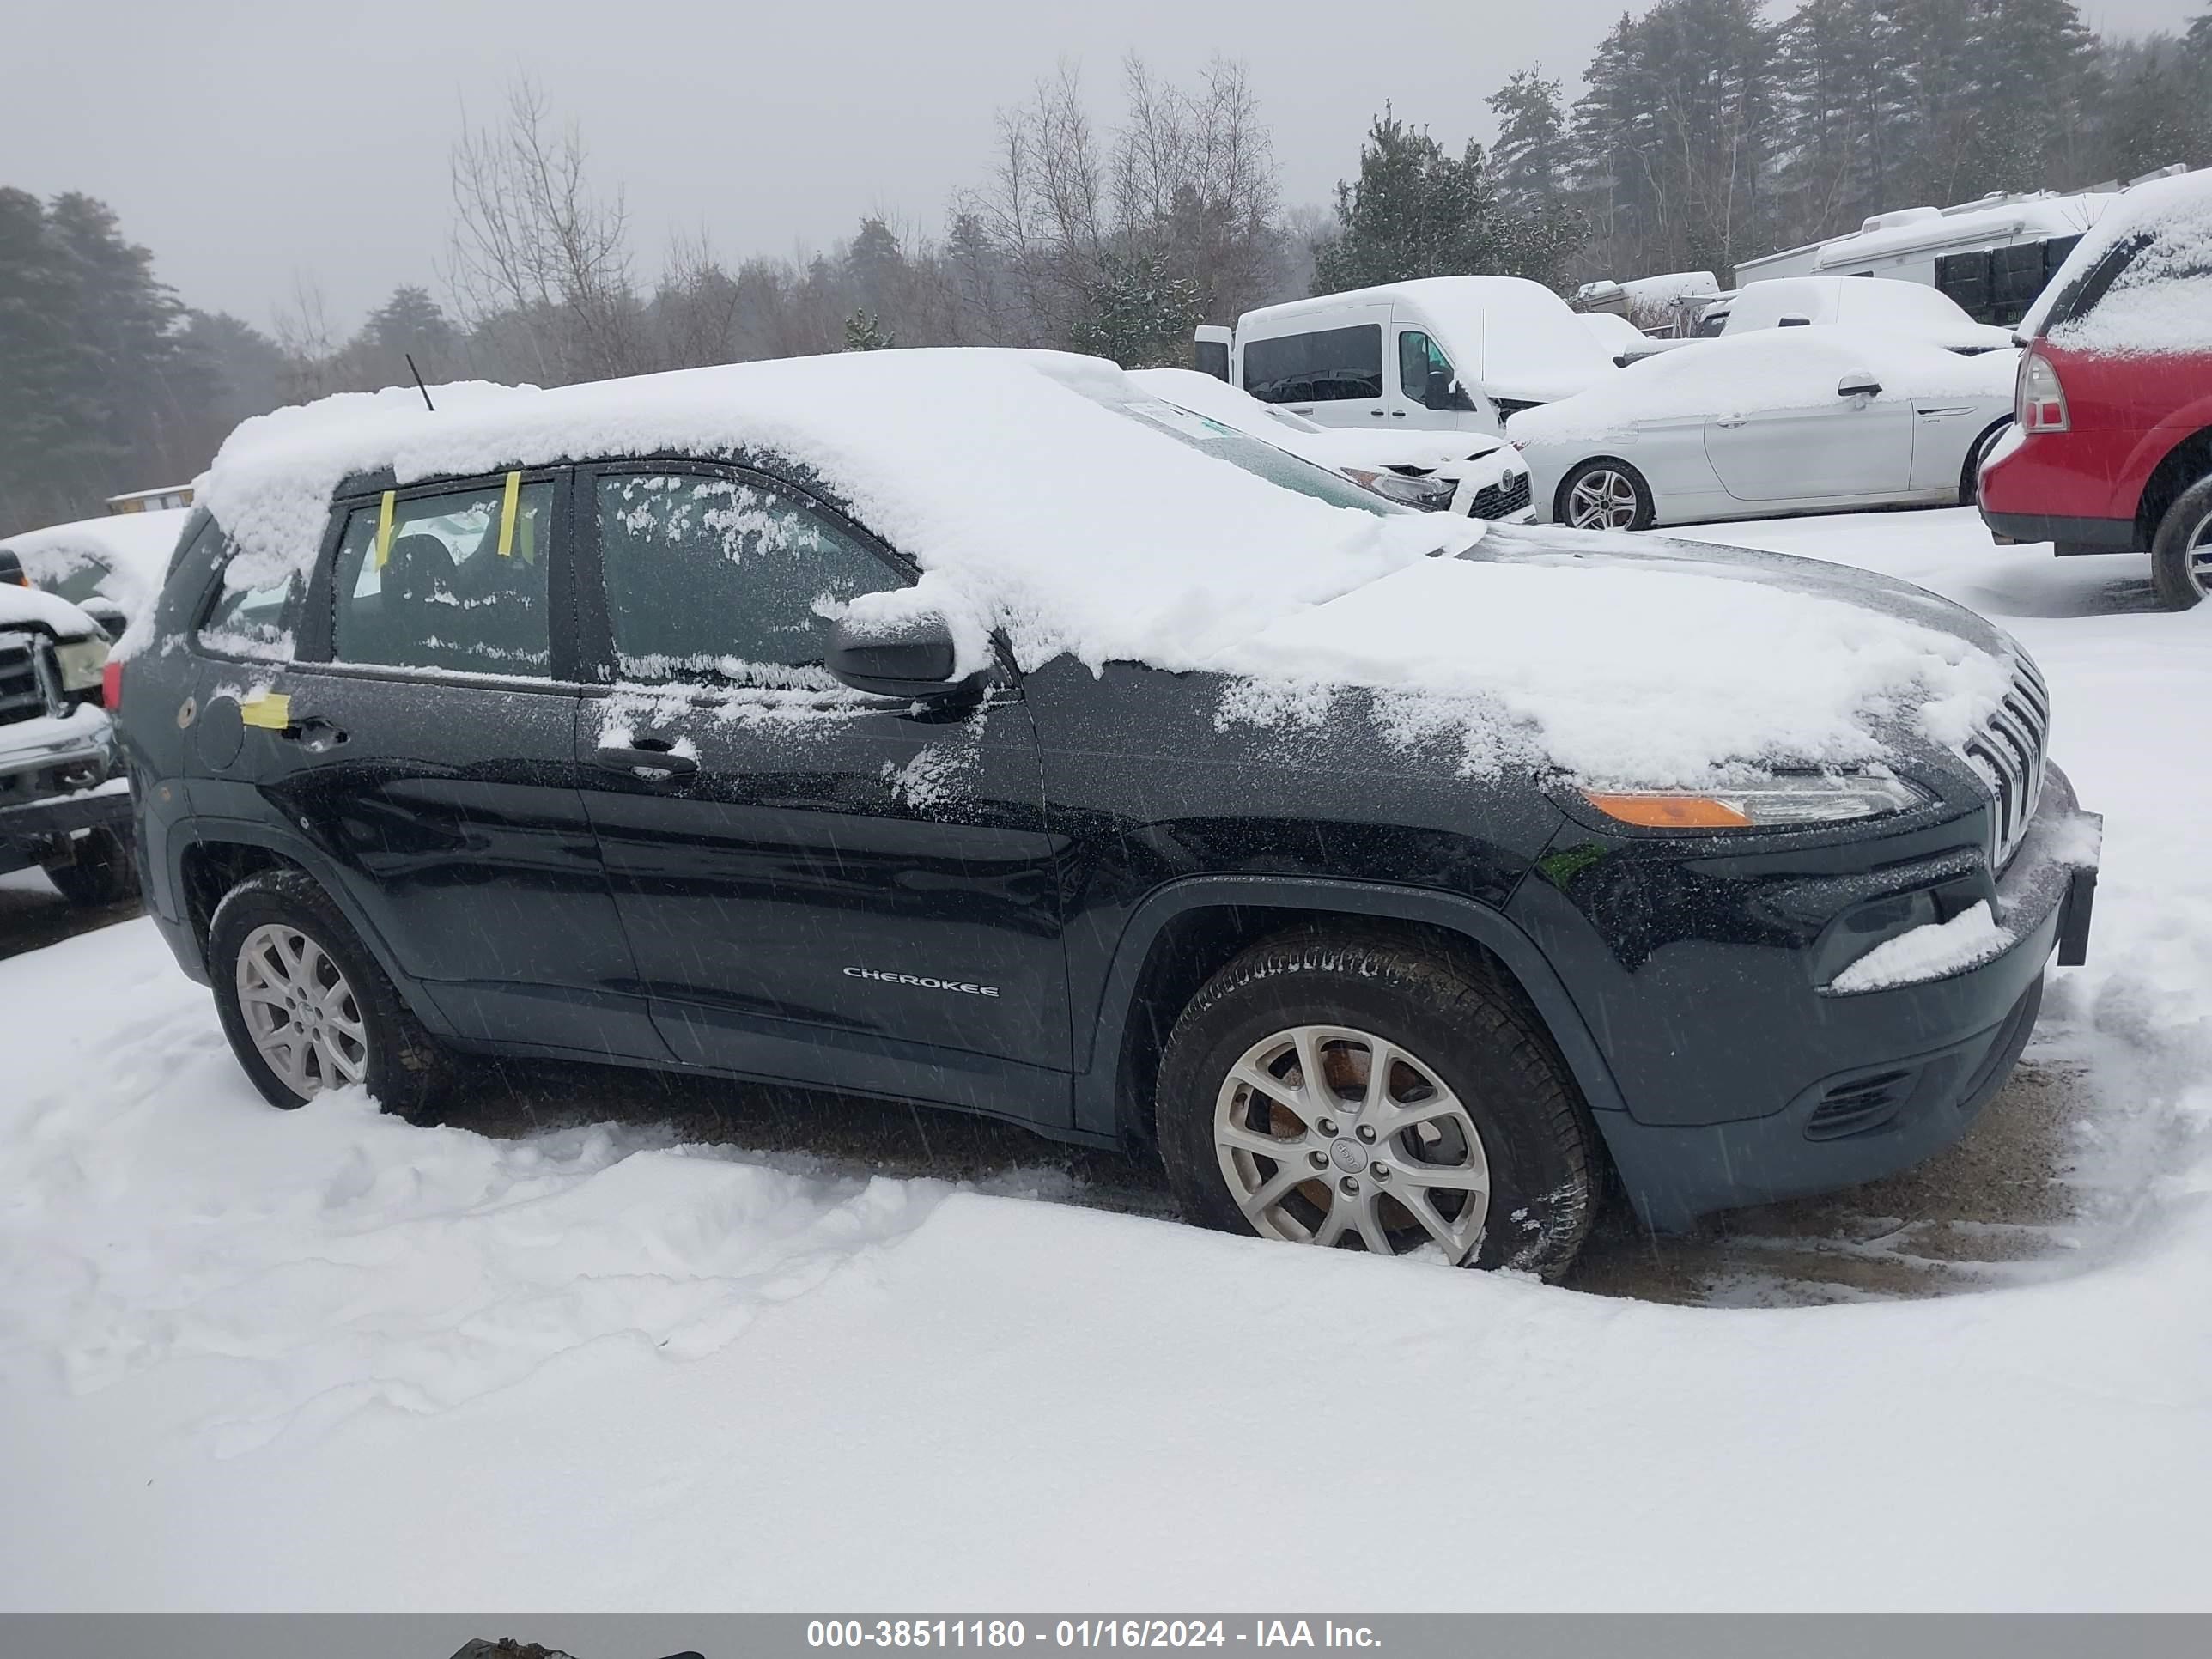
[1842, 133]
[864, 331]
[1416, 210]
[1531, 168]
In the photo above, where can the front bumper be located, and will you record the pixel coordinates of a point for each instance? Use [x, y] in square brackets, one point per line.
[57, 776]
[1931, 1054]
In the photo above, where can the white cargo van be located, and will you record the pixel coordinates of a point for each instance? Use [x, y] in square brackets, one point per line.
[1442, 353]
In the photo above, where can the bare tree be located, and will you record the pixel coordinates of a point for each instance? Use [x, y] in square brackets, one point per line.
[308, 339]
[536, 249]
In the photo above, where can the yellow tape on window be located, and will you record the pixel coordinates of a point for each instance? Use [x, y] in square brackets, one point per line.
[383, 529]
[507, 517]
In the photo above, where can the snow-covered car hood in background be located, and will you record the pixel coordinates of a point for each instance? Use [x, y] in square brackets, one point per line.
[1335, 448]
[27, 607]
[135, 547]
[1034, 509]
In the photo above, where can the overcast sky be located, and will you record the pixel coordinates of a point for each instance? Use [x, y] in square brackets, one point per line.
[247, 141]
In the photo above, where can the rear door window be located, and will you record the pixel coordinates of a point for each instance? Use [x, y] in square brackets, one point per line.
[455, 579]
[260, 625]
[724, 579]
[1331, 365]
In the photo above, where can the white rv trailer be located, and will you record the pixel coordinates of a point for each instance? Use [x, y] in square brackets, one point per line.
[1993, 255]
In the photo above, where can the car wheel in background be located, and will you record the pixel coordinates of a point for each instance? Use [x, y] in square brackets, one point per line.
[100, 871]
[2181, 549]
[306, 1008]
[1970, 475]
[1606, 495]
[1346, 1088]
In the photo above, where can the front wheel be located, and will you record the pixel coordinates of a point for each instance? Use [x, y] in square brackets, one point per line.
[2181, 551]
[1606, 495]
[306, 1008]
[1346, 1090]
[1970, 475]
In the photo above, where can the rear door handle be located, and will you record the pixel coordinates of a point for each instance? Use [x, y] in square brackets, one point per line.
[650, 757]
[1732, 422]
[313, 734]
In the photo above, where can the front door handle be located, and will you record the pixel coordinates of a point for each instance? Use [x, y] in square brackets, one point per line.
[1731, 423]
[649, 757]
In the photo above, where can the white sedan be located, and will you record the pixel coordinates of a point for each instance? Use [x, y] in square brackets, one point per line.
[1776, 421]
[1472, 473]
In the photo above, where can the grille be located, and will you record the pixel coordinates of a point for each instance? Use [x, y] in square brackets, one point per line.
[1496, 500]
[24, 694]
[2009, 753]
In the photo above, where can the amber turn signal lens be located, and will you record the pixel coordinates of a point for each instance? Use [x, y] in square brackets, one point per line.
[1668, 811]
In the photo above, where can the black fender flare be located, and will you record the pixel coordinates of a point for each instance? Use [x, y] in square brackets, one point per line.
[1099, 1108]
[299, 851]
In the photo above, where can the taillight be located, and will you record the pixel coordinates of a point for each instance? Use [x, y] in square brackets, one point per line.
[110, 686]
[2038, 400]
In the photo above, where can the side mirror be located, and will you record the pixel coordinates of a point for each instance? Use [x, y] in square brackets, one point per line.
[1859, 383]
[913, 658]
[1793, 320]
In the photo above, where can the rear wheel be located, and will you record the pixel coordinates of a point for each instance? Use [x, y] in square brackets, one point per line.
[305, 1006]
[98, 870]
[2181, 551]
[1606, 495]
[1350, 1091]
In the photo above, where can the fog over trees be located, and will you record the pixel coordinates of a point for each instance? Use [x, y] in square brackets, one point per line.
[1702, 132]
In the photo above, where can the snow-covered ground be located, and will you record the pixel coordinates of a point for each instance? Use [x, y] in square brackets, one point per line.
[324, 1360]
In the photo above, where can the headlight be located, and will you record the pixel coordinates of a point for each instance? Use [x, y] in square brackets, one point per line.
[1431, 495]
[80, 662]
[1821, 798]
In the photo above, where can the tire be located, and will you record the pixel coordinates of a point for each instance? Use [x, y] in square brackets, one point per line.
[1970, 475]
[366, 1034]
[1462, 1042]
[2181, 549]
[101, 872]
[1616, 497]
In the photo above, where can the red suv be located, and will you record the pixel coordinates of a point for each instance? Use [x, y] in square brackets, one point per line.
[2112, 448]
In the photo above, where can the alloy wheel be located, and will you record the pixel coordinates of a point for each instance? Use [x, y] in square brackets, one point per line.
[2199, 545]
[303, 1017]
[1330, 1135]
[1602, 499]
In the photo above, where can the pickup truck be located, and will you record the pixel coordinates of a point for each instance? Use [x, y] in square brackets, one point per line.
[64, 801]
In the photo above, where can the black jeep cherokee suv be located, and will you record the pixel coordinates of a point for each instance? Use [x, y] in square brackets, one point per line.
[515, 765]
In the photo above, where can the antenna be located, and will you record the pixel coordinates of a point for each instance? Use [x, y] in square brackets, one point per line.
[419, 387]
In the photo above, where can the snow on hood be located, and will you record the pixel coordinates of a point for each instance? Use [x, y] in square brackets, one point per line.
[1330, 447]
[1766, 368]
[28, 606]
[134, 546]
[2162, 302]
[1031, 507]
[1641, 661]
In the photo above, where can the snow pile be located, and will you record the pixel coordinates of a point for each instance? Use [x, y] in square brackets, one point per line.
[1560, 662]
[1027, 504]
[1765, 368]
[2162, 302]
[1931, 951]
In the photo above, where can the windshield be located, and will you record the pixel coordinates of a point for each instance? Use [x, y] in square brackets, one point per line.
[1261, 459]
